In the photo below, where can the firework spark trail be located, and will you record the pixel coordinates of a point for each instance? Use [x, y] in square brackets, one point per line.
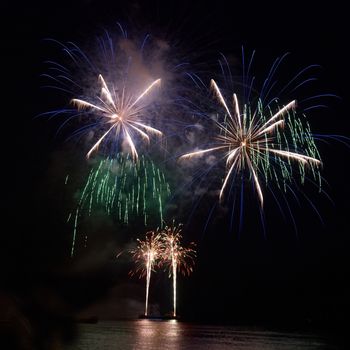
[257, 143]
[123, 189]
[176, 256]
[123, 112]
[146, 256]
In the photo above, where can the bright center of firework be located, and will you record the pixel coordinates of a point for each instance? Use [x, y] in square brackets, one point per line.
[243, 143]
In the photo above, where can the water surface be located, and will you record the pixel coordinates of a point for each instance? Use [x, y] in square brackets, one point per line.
[174, 335]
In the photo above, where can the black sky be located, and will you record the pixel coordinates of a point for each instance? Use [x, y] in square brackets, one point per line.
[282, 278]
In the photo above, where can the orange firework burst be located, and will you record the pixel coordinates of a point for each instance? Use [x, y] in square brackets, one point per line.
[176, 256]
[147, 255]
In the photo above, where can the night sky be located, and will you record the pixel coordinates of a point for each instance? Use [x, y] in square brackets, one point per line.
[286, 278]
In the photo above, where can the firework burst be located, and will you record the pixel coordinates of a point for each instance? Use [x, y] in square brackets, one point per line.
[120, 115]
[261, 142]
[176, 257]
[146, 256]
[113, 86]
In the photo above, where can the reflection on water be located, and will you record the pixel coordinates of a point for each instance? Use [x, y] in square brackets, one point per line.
[173, 335]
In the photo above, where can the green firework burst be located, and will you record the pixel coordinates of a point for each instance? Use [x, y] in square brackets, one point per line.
[123, 189]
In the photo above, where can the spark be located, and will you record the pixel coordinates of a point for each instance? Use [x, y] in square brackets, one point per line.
[120, 113]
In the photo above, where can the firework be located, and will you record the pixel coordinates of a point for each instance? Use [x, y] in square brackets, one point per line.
[123, 189]
[178, 258]
[146, 256]
[120, 115]
[113, 88]
[262, 143]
